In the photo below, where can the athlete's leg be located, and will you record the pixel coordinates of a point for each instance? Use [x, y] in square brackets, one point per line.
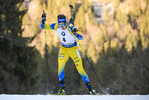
[76, 57]
[62, 59]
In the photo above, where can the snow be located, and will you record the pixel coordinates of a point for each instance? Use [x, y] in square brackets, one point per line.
[73, 97]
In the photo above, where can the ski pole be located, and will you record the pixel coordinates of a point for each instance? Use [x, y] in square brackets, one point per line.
[46, 59]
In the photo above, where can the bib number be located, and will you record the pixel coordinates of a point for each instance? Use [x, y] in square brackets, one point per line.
[64, 39]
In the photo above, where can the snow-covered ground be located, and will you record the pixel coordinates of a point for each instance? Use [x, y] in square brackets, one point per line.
[74, 97]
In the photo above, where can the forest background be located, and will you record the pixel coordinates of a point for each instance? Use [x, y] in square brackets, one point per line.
[118, 48]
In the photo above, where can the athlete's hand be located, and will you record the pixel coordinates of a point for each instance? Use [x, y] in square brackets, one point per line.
[43, 16]
[74, 31]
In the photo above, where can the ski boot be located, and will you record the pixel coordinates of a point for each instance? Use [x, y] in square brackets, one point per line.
[61, 91]
[92, 91]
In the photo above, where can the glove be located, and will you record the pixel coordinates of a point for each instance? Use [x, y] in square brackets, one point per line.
[43, 17]
[74, 31]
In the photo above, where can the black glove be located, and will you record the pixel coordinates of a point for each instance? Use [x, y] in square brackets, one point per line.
[43, 17]
[74, 31]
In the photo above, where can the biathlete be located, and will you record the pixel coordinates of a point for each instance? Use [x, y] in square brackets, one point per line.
[67, 33]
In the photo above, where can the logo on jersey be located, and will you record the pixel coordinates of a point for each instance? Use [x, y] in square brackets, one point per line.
[63, 33]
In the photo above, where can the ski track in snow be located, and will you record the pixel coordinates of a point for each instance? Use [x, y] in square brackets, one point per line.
[73, 97]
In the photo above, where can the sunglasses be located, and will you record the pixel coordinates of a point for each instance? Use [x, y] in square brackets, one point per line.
[61, 25]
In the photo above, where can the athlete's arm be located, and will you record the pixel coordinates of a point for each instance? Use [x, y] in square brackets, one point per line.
[52, 26]
[79, 36]
[74, 31]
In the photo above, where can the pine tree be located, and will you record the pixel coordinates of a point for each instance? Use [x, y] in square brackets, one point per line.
[17, 60]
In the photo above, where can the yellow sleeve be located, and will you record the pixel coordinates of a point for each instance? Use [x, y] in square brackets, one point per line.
[78, 32]
[70, 29]
[71, 32]
[53, 26]
[56, 26]
[47, 26]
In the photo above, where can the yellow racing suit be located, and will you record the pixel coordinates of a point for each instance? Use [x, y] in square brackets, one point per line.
[68, 49]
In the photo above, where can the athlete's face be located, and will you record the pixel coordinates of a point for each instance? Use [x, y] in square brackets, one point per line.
[62, 25]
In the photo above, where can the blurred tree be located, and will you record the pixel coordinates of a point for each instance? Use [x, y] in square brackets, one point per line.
[80, 22]
[106, 17]
[104, 32]
[122, 18]
[114, 45]
[43, 3]
[17, 60]
[100, 39]
[135, 10]
[144, 28]
[85, 5]
[116, 28]
[129, 41]
[53, 10]
[92, 52]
